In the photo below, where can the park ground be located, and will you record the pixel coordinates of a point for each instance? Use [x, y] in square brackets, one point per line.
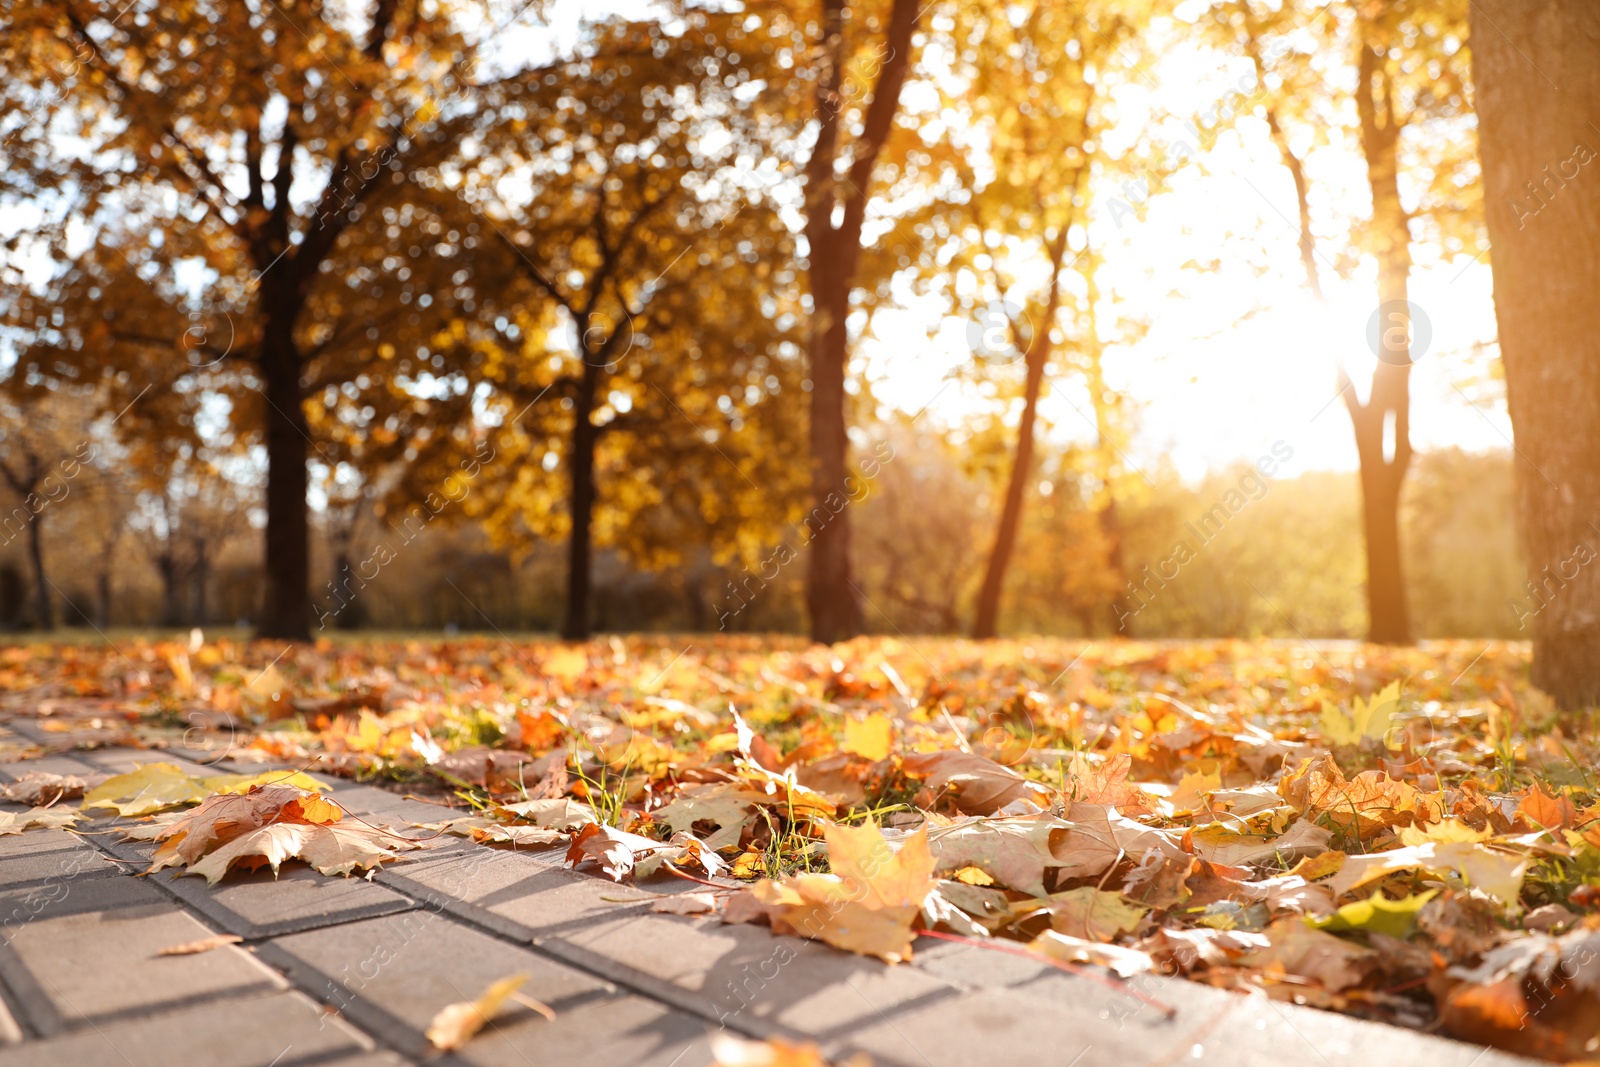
[693, 850]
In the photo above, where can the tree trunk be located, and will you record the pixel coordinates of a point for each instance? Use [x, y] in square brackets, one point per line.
[576, 625]
[1036, 356]
[1111, 528]
[287, 611]
[199, 578]
[171, 606]
[833, 252]
[1383, 423]
[831, 597]
[102, 609]
[1545, 232]
[43, 605]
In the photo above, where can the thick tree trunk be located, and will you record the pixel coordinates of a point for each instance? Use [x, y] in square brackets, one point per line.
[43, 605]
[831, 597]
[1005, 538]
[1383, 423]
[1542, 199]
[576, 625]
[833, 252]
[287, 611]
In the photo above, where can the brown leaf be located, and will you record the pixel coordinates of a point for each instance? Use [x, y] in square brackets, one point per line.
[974, 785]
[205, 944]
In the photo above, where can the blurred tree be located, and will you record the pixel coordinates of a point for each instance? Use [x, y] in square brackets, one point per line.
[1409, 100]
[1031, 93]
[1538, 88]
[854, 46]
[260, 132]
[645, 343]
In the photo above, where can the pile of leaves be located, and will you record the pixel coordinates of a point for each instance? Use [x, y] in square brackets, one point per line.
[1410, 835]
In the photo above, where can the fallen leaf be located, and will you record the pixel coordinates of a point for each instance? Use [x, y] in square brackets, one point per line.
[685, 904]
[37, 788]
[974, 784]
[1377, 914]
[265, 827]
[1126, 962]
[1305, 952]
[1365, 720]
[870, 738]
[455, 1024]
[1091, 914]
[158, 786]
[205, 944]
[15, 822]
[867, 905]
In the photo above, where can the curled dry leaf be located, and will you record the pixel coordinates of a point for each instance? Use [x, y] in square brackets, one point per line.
[685, 904]
[455, 1024]
[621, 854]
[15, 822]
[204, 944]
[37, 788]
[974, 784]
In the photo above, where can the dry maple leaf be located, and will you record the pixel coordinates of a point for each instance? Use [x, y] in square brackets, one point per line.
[15, 822]
[36, 788]
[869, 903]
[1365, 804]
[158, 786]
[455, 1024]
[1089, 914]
[620, 854]
[264, 827]
[975, 785]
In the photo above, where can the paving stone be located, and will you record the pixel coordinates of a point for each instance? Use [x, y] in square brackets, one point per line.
[30, 842]
[386, 808]
[740, 974]
[622, 1030]
[10, 1032]
[124, 760]
[372, 1059]
[79, 860]
[1006, 1025]
[745, 974]
[1258, 1031]
[65, 765]
[254, 904]
[92, 966]
[977, 968]
[53, 899]
[281, 1030]
[392, 975]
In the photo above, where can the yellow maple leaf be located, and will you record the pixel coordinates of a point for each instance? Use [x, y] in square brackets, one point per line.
[1374, 719]
[870, 738]
[867, 905]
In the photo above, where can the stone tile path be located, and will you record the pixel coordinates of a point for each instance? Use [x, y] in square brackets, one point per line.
[350, 972]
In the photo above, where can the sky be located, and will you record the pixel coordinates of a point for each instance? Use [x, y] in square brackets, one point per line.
[1214, 383]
